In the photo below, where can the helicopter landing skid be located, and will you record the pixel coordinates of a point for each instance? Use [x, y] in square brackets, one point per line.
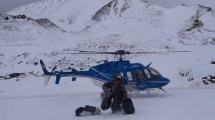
[135, 94]
[131, 94]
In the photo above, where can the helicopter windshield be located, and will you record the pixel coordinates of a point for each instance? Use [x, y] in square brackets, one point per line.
[151, 73]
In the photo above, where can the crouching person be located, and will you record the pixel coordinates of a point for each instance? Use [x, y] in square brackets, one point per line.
[115, 91]
[87, 111]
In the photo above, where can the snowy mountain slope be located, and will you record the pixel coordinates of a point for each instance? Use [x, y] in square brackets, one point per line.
[20, 36]
[150, 16]
[133, 25]
[165, 21]
[15, 29]
[172, 4]
[70, 14]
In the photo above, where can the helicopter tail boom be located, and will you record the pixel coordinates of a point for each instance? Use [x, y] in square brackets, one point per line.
[58, 74]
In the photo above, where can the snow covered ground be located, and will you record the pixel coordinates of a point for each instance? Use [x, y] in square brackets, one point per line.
[177, 104]
[51, 28]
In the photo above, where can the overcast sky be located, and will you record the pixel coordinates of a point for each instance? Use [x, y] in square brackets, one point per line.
[6, 5]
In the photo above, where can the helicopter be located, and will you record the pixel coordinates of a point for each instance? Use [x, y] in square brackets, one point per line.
[136, 76]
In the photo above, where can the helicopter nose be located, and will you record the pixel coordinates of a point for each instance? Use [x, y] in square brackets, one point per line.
[166, 81]
[163, 82]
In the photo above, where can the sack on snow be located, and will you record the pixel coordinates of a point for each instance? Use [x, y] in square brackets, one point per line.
[128, 106]
[87, 110]
[106, 103]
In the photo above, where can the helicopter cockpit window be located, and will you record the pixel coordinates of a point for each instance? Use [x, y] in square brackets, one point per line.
[151, 73]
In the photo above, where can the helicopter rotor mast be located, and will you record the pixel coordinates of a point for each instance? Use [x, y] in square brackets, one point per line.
[120, 53]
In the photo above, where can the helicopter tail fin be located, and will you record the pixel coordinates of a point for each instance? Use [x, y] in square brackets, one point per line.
[46, 73]
[44, 68]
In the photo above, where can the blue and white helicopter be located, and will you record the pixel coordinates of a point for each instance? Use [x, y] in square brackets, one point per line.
[135, 75]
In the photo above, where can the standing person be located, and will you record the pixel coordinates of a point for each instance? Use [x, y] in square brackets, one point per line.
[116, 90]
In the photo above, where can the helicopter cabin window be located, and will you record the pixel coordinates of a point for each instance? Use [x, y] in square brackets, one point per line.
[151, 73]
[122, 74]
[129, 75]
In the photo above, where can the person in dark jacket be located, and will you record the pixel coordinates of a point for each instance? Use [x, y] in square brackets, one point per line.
[116, 90]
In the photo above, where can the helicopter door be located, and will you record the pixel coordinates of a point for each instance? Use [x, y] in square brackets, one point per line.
[138, 76]
[131, 84]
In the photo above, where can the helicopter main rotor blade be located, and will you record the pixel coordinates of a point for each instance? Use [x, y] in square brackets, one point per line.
[87, 53]
[121, 52]
[93, 52]
[118, 52]
[157, 52]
